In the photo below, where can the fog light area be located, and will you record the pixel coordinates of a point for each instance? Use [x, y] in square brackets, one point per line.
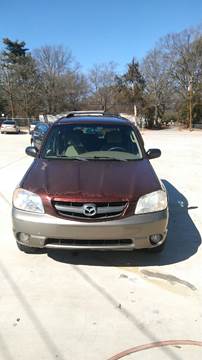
[155, 239]
[23, 237]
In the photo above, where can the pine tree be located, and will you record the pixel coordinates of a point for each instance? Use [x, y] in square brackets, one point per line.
[14, 50]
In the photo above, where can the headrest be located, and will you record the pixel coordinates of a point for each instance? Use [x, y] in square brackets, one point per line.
[113, 137]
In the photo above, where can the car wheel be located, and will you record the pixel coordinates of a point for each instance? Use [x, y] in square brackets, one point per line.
[28, 249]
[157, 249]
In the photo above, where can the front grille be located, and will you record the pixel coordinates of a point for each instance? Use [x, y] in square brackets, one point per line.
[103, 210]
[88, 243]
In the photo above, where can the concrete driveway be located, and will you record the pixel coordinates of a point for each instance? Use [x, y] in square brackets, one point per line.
[97, 305]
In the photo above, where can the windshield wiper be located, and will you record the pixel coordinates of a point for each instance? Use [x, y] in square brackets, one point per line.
[74, 158]
[105, 158]
[67, 157]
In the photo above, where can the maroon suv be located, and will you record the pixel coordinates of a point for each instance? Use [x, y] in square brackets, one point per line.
[91, 186]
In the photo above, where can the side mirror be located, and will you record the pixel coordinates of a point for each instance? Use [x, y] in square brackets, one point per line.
[153, 153]
[31, 151]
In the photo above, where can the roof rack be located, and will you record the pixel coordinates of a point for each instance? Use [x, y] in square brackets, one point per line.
[89, 112]
[80, 113]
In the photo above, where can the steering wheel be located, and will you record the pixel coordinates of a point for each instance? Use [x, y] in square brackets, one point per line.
[116, 148]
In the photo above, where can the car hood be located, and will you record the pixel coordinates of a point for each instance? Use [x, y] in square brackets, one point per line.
[91, 180]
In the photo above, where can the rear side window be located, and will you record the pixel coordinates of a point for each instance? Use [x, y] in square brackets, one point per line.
[42, 128]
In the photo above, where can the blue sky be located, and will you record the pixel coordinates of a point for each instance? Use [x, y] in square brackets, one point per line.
[97, 31]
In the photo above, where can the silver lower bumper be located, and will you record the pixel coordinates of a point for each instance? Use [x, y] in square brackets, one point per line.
[46, 231]
[10, 130]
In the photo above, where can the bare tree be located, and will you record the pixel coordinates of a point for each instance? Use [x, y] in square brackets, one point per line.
[53, 60]
[158, 91]
[76, 90]
[183, 53]
[54, 63]
[102, 82]
[183, 57]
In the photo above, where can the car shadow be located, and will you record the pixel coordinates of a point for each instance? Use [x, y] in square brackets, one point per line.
[183, 241]
[22, 132]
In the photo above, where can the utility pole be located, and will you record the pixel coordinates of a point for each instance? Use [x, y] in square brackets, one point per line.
[190, 103]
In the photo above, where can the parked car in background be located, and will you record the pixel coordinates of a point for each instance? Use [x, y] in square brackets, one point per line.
[32, 125]
[9, 126]
[38, 134]
[91, 186]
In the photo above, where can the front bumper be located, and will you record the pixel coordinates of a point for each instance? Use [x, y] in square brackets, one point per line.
[46, 231]
[10, 130]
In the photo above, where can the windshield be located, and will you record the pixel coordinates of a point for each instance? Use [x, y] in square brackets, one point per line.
[9, 122]
[92, 142]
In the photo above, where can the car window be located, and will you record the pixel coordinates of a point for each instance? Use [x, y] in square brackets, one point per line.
[92, 141]
[41, 127]
[44, 128]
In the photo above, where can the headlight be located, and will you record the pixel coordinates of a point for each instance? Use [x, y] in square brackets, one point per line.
[155, 201]
[28, 201]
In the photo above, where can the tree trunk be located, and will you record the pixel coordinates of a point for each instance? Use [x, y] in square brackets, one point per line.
[156, 115]
[10, 96]
[135, 114]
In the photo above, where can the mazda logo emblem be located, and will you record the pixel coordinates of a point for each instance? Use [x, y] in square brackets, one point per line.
[89, 209]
